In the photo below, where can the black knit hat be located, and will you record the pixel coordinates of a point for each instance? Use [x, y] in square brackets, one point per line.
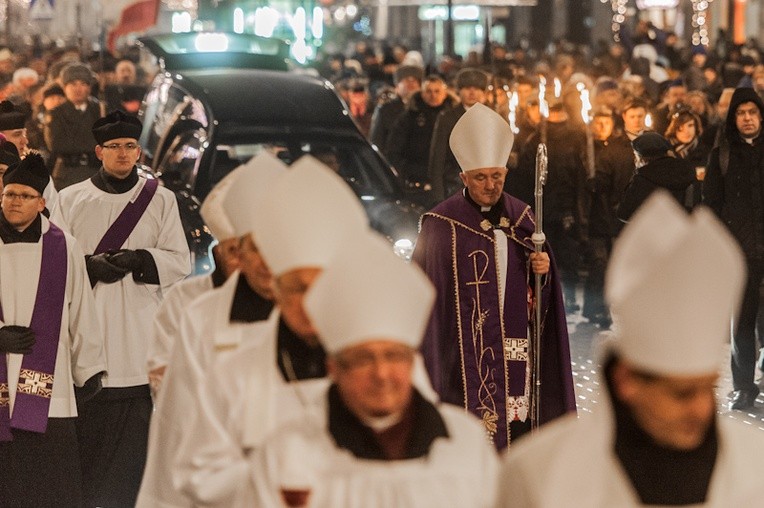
[651, 144]
[116, 124]
[53, 90]
[31, 172]
[11, 117]
[9, 154]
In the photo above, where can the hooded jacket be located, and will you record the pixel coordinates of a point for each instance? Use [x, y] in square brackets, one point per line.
[733, 186]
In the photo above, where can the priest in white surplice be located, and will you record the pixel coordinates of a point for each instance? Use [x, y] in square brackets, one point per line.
[130, 230]
[378, 442]
[225, 256]
[267, 378]
[50, 340]
[655, 439]
[281, 376]
[211, 325]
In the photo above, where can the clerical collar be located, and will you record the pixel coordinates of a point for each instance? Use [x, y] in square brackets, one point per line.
[248, 306]
[382, 423]
[30, 235]
[349, 433]
[661, 475]
[113, 185]
[296, 358]
[492, 214]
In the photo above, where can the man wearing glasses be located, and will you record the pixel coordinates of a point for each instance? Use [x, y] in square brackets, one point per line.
[49, 342]
[375, 440]
[127, 225]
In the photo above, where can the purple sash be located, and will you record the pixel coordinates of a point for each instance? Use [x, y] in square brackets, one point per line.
[117, 234]
[35, 386]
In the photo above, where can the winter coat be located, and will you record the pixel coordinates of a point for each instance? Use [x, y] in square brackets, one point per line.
[408, 145]
[734, 183]
[675, 175]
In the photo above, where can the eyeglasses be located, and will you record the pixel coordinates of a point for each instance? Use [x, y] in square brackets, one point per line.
[117, 146]
[10, 196]
[362, 360]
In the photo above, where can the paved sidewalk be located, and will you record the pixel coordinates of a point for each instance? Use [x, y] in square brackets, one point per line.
[584, 336]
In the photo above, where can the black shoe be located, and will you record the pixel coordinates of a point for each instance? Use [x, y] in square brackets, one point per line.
[742, 399]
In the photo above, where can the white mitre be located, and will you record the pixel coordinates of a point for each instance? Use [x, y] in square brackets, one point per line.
[212, 211]
[481, 139]
[249, 185]
[673, 284]
[366, 292]
[307, 215]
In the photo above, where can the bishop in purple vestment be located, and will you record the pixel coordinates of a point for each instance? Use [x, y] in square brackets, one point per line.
[476, 248]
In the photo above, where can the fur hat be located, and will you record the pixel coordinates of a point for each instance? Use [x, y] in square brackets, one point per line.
[75, 72]
[471, 77]
[408, 71]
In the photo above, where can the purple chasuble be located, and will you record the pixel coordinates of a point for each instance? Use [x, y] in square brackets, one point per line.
[35, 386]
[117, 234]
[476, 355]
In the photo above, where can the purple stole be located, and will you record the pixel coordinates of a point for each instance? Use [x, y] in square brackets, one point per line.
[494, 348]
[35, 386]
[117, 234]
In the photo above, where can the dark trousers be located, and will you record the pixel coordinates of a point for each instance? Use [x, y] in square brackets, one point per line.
[744, 347]
[41, 470]
[564, 244]
[597, 255]
[113, 435]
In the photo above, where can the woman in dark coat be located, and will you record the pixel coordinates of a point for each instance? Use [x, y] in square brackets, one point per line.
[685, 133]
[656, 168]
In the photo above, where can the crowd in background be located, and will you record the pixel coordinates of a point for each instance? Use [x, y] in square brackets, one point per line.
[406, 106]
[649, 82]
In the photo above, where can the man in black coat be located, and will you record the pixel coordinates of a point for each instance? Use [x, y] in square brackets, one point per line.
[443, 169]
[409, 141]
[565, 144]
[68, 129]
[734, 189]
[598, 201]
[408, 80]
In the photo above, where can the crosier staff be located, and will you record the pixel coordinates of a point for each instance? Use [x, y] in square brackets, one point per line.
[538, 238]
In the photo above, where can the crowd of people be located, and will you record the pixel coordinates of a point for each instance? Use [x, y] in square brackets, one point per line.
[657, 115]
[313, 367]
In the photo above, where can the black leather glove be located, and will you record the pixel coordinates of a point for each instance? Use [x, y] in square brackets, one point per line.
[127, 259]
[88, 390]
[101, 269]
[16, 339]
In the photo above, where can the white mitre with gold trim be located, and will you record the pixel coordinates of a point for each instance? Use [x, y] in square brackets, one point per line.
[307, 215]
[481, 139]
[673, 284]
[248, 188]
[368, 293]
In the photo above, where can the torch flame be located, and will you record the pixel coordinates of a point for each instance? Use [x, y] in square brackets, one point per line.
[586, 105]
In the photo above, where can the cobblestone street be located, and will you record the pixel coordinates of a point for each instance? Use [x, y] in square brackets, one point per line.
[583, 340]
